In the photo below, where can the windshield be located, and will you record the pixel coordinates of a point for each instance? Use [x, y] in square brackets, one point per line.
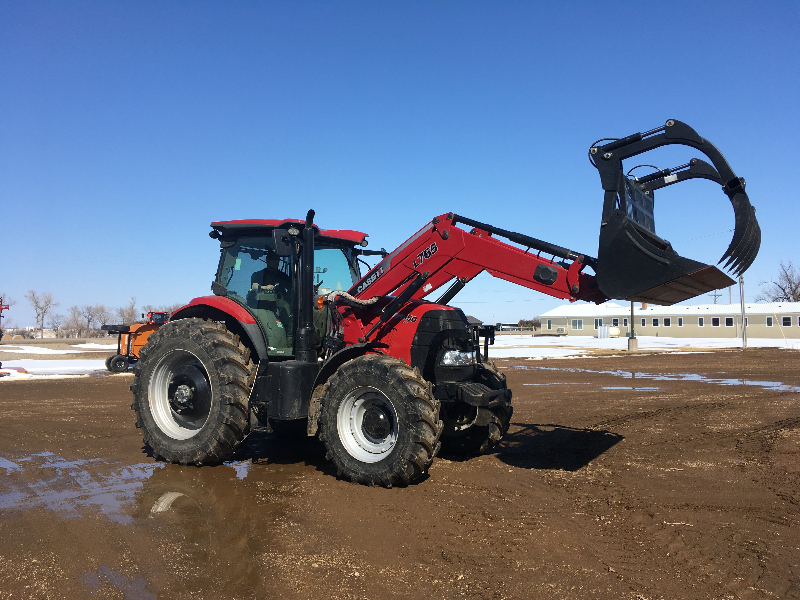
[334, 270]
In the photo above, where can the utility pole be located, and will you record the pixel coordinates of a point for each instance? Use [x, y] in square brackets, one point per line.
[633, 343]
[744, 318]
[715, 294]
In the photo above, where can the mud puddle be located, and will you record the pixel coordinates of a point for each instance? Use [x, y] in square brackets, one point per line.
[609, 387]
[776, 386]
[196, 532]
[49, 481]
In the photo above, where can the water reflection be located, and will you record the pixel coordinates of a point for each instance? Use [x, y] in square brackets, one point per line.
[695, 377]
[71, 486]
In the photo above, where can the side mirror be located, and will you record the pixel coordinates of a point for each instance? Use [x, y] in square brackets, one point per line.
[282, 242]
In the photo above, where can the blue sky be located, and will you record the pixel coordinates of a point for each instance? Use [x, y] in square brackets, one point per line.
[127, 127]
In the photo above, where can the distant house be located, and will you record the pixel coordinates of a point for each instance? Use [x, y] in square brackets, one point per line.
[763, 320]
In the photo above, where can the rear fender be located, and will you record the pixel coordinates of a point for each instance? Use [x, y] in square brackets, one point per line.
[237, 319]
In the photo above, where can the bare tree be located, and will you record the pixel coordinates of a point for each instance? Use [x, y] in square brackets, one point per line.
[127, 314]
[42, 304]
[784, 288]
[74, 324]
[56, 323]
[102, 314]
[87, 312]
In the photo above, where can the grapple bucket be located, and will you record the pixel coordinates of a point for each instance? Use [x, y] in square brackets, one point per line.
[633, 263]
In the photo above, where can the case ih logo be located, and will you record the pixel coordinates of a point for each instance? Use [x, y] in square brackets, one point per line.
[369, 281]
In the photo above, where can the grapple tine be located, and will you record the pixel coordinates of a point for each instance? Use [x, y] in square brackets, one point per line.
[751, 249]
[746, 240]
[747, 249]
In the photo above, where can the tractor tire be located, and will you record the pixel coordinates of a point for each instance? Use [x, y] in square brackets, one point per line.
[462, 434]
[379, 421]
[118, 364]
[108, 362]
[190, 392]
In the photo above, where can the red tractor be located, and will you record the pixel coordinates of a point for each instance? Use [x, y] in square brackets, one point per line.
[295, 332]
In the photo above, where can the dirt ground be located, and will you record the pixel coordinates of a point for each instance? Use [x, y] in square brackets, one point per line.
[638, 477]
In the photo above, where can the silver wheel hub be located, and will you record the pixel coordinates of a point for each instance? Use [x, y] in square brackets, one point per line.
[181, 399]
[367, 424]
[180, 395]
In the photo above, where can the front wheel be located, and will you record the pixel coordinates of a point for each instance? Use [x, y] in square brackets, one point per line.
[379, 421]
[190, 392]
[118, 364]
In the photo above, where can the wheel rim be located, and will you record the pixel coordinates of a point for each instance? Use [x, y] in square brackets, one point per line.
[367, 424]
[180, 395]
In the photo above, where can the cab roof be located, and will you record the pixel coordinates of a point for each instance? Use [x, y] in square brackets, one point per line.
[347, 235]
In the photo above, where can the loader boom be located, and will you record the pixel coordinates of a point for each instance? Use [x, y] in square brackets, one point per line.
[445, 253]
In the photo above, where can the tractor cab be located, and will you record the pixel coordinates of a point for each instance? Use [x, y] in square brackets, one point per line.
[261, 273]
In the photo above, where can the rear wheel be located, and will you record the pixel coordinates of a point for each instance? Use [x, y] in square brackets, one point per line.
[191, 389]
[379, 421]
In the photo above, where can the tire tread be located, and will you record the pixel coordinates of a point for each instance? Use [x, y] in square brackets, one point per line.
[235, 372]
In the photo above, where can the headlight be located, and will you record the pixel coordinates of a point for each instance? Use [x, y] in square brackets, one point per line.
[454, 358]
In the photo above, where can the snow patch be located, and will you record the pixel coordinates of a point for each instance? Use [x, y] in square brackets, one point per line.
[527, 346]
[37, 350]
[40, 368]
[97, 346]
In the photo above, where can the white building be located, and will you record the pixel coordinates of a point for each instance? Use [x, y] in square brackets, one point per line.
[763, 319]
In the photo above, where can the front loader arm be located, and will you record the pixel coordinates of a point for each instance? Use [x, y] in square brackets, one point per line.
[442, 252]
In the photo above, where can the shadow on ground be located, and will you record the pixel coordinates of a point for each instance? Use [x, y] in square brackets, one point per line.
[548, 446]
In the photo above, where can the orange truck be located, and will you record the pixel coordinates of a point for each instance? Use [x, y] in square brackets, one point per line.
[131, 339]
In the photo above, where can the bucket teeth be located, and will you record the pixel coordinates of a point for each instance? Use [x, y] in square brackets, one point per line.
[746, 240]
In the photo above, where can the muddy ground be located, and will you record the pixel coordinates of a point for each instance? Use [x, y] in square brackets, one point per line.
[612, 483]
